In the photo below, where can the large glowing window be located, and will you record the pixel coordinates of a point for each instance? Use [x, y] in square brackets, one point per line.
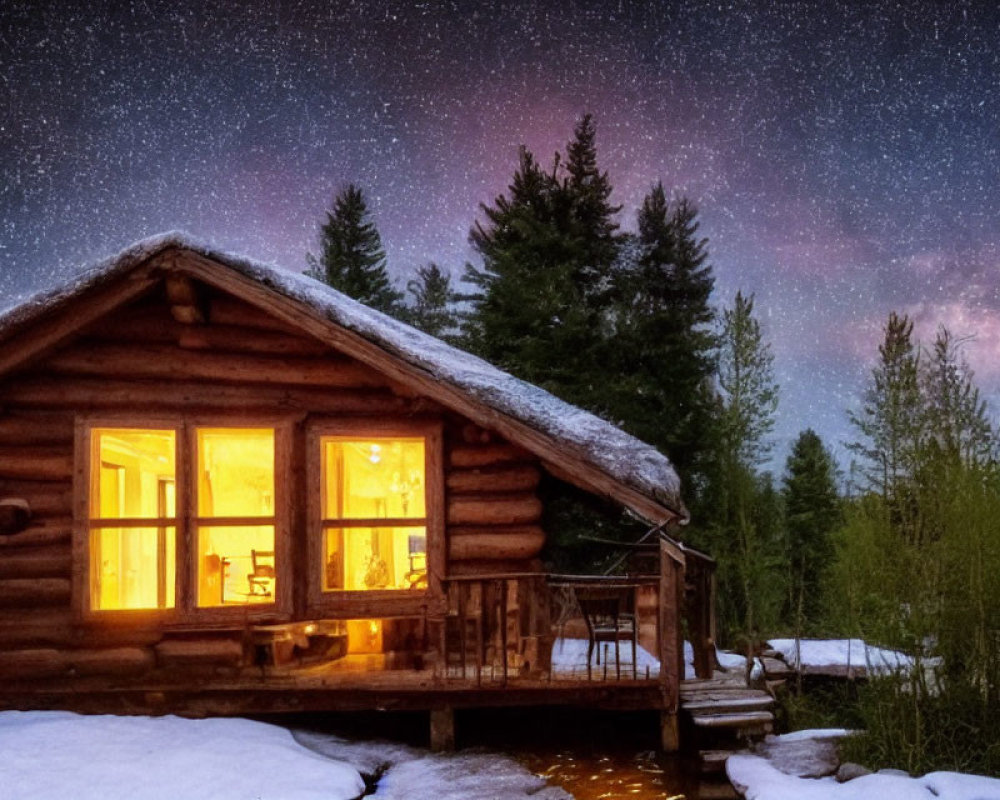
[133, 518]
[374, 518]
[236, 516]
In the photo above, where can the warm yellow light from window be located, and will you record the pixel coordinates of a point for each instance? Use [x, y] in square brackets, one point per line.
[128, 471]
[236, 472]
[373, 478]
[235, 484]
[236, 565]
[360, 559]
[132, 565]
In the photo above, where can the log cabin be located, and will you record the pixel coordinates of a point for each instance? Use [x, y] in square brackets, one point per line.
[226, 488]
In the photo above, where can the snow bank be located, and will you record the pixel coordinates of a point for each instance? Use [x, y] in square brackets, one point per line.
[759, 780]
[414, 774]
[51, 754]
[818, 654]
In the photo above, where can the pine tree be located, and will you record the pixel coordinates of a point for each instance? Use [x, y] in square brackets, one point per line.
[891, 426]
[539, 308]
[746, 377]
[351, 257]
[812, 514]
[432, 309]
[589, 191]
[955, 415]
[745, 409]
[664, 344]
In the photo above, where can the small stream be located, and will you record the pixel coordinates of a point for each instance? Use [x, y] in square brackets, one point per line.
[586, 775]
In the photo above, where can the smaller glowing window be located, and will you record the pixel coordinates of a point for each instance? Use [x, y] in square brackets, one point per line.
[374, 518]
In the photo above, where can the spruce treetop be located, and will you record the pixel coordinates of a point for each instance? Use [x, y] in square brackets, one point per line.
[351, 257]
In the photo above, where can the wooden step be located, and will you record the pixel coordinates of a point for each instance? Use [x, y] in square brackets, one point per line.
[776, 668]
[734, 706]
[712, 761]
[748, 719]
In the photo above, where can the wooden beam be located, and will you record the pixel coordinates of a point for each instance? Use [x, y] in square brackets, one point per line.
[487, 456]
[95, 394]
[28, 593]
[671, 647]
[175, 363]
[37, 429]
[40, 563]
[186, 303]
[55, 326]
[502, 546]
[493, 509]
[521, 478]
[36, 464]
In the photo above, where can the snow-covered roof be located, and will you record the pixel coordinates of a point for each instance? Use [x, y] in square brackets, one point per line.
[620, 456]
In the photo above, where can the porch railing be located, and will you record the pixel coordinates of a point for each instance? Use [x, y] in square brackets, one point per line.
[507, 627]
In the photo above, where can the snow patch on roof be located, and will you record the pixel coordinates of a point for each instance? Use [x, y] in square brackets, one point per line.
[621, 456]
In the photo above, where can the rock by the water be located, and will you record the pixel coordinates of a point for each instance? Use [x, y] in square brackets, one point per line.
[848, 771]
[803, 758]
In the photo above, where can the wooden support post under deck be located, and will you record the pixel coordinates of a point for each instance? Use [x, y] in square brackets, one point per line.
[442, 729]
[671, 645]
[670, 734]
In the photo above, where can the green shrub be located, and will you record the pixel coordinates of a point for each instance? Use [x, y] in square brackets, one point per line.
[907, 727]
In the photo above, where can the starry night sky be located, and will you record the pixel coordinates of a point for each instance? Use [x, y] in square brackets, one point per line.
[844, 155]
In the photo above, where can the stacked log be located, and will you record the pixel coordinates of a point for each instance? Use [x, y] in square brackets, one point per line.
[493, 513]
[201, 651]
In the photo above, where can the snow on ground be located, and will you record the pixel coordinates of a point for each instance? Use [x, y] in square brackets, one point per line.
[55, 754]
[409, 773]
[757, 779]
[820, 653]
[569, 656]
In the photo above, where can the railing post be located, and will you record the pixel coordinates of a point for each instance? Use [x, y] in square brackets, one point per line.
[671, 645]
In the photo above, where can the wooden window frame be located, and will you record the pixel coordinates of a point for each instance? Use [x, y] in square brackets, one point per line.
[383, 603]
[185, 613]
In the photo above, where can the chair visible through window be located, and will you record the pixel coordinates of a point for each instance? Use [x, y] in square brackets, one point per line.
[261, 577]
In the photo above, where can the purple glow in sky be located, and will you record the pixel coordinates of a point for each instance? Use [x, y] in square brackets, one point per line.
[844, 155]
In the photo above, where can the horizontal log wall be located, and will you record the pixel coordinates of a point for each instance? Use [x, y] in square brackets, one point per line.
[237, 360]
[493, 512]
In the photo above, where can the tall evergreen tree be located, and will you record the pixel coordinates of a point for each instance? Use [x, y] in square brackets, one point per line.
[540, 300]
[351, 257]
[891, 425]
[664, 345]
[432, 309]
[955, 416]
[592, 215]
[812, 514]
[745, 411]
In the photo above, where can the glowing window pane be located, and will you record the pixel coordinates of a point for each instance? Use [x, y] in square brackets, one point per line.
[132, 474]
[235, 472]
[373, 478]
[236, 565]
[358, 559]
[132, 568]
